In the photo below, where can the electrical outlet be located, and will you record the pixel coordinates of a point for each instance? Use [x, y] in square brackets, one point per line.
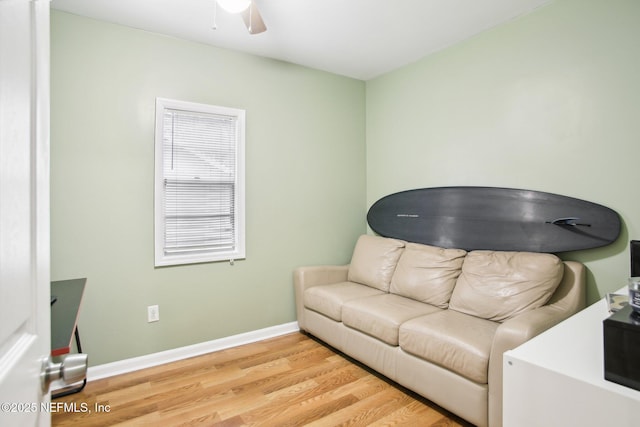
[153, 313]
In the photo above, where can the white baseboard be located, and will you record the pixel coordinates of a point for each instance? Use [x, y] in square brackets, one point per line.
[154, 359]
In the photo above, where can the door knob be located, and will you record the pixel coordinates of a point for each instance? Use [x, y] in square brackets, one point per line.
[71, 369]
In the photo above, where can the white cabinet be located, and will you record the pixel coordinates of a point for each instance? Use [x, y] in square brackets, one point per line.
[557, 378]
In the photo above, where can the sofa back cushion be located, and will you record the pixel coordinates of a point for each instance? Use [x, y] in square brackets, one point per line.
[427, 273]
[374, 261]
[497, 285]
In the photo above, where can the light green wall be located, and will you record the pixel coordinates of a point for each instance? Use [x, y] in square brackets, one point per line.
[305, 161]
[549, 102]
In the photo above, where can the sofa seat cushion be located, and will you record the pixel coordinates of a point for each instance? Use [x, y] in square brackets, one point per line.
[456, 341]
[329, 299]
[374, 260]
[497, 285]
[381, 315]
[427, 273]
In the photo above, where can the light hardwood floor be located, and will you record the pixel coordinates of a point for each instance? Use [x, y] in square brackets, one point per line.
[291, 380]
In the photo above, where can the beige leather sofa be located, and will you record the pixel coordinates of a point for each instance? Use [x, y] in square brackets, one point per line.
[437, 321]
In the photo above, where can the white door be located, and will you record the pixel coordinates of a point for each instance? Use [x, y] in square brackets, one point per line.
[24, 211]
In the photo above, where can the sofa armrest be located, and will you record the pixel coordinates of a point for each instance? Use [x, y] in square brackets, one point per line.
[306, 277]
[567, 300]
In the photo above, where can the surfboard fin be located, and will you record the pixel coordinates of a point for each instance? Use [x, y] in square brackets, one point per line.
[571, 221]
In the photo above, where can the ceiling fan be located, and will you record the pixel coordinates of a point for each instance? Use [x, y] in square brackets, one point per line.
[249, 11]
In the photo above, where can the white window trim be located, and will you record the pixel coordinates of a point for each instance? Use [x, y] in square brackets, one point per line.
[163, 259]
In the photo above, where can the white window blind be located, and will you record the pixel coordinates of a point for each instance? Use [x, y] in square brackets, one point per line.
[200, 200]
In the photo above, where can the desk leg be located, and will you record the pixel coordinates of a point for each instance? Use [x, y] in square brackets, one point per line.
[66, 392]
[77, 334]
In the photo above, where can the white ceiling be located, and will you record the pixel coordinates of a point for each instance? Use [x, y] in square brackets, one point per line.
[356, 38]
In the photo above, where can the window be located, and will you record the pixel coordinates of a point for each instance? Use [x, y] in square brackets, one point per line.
[199, 184]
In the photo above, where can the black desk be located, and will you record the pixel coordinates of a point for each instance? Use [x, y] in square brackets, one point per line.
[64, 320]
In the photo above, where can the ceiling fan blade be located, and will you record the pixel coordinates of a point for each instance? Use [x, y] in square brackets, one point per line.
[253, 20]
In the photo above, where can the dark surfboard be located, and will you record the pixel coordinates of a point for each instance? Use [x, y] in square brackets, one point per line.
[493, 218]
